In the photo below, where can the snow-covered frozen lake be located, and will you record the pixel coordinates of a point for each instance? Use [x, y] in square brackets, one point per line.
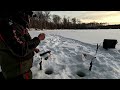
[71, 54]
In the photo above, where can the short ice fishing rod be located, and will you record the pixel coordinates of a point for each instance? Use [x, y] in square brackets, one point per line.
[46, 56]
[93, 58]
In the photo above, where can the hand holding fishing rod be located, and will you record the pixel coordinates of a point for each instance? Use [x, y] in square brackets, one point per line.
[44, 55]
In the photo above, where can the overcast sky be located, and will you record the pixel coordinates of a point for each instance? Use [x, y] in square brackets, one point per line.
[111, 17]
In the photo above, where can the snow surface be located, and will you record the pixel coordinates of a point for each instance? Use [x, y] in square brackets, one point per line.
[72, 52]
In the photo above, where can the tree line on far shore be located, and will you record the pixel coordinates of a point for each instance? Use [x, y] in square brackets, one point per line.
[44, 20]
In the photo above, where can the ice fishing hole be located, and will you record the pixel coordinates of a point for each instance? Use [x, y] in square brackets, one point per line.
[80, 73]
[49, 71]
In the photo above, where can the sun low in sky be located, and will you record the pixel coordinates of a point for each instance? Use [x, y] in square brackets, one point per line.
[110, 17]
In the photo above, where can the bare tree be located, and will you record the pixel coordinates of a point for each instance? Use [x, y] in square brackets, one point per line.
[56, 19]
[46, 18]
[65, 22]
[78, 21]
[43, 17]
[74, 20]
[40, 18]
[46, 15]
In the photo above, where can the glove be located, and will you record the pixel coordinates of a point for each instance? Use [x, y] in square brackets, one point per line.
[41, 36]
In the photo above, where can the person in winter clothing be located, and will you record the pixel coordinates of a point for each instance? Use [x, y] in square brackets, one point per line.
[17, 48]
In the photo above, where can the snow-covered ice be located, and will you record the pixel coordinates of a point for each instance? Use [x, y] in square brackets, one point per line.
[72, 52]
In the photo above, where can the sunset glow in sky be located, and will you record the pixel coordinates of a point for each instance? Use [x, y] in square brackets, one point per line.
[110, 17]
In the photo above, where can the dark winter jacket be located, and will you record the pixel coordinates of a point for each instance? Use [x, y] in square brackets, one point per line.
[16, 49]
